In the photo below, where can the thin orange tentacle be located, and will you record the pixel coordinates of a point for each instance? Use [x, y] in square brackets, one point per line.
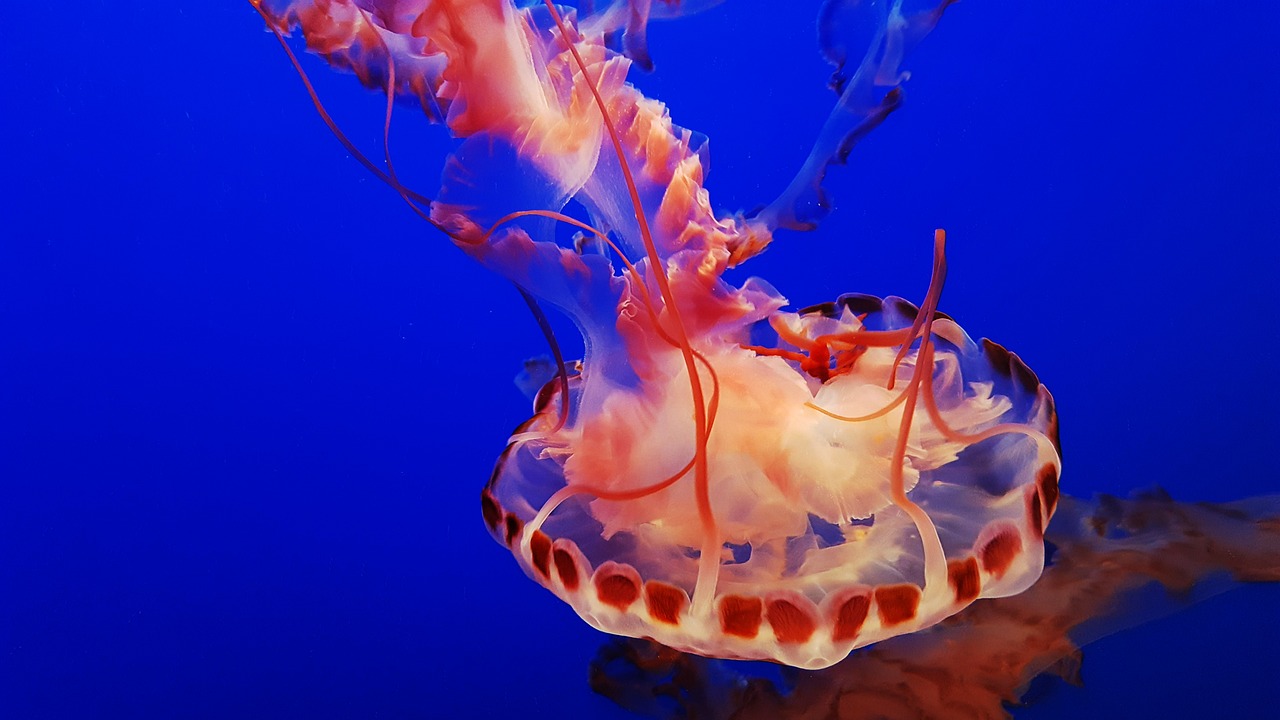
[862, 418]
[329, 121]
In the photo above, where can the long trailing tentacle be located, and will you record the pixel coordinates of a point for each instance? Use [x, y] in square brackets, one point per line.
[323, 112]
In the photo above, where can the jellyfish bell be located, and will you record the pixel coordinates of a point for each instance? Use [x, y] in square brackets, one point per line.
[870, 472]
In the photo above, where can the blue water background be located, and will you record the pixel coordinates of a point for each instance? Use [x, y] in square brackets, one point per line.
[248, 400]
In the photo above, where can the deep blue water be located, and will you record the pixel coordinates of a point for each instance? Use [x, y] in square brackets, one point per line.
[248, 400]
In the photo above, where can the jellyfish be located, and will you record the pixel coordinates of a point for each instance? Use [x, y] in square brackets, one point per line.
[718, 473]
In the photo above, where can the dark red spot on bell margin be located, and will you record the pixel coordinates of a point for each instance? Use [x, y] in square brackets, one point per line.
[1035, 514]
[826, 309]
[1047, 480]
[540, 549]
[897, 603]
[998, 553]
[791, 624]
[617, 590]
[664, 601]
[1052, 431]
[566, 568]
[513, 528]
[964, 579]
[1023, 375]
[850, 616]
[490, 510]
[997, 357]
[740, 616]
